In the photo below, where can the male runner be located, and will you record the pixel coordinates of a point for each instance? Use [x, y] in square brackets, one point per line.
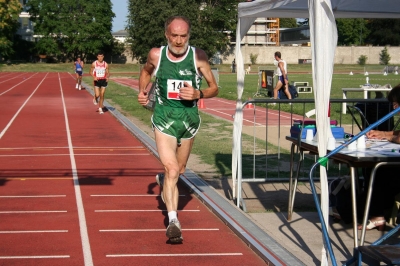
[179, 69]
[283, 78]
[100, 73]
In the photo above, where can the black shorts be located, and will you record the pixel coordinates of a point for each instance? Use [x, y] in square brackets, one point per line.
[101, 83]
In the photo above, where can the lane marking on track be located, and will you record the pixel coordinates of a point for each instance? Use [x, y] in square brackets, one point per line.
[35, 178]
[4, 92]
[87, 253]
[66, 154]
[11, 212]
[230, 116]
[174, 255]
[35, 257]
[14, 77]
[36, 231]
[76, 148]
[131, 195]
[20, 109]
[156, 230]
[36, 196]
[143, 210]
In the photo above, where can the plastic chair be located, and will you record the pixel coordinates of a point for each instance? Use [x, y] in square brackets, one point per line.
[375, 111]
[353, 111]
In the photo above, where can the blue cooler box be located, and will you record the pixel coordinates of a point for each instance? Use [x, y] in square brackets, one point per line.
[338, 132]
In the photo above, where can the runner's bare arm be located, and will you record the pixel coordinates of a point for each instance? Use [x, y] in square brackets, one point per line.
[145, 74]
[107, 71]
[91, 71]
[205, 69]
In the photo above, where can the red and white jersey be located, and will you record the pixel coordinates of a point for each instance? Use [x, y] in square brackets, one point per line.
[100, 69]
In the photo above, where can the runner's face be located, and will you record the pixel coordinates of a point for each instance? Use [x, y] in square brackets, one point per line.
[178, 36]
[100, 57]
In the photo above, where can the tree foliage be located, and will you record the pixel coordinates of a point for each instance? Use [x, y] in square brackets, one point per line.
[384, 32]
[288, 23]
[213, 23]
[384, 57]
[72, 28]
[352, 31]
[9, 12]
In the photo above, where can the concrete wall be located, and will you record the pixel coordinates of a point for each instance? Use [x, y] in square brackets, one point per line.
[292, 54]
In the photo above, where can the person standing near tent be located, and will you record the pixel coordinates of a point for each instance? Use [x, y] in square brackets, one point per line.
[233, 66]
[100, 73]
[78, 66]
[282, 75]
[178, 69]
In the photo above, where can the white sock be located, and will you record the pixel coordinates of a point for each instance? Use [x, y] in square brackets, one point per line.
[172, 215]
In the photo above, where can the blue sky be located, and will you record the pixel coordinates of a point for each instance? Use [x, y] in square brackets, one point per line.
[120, 9]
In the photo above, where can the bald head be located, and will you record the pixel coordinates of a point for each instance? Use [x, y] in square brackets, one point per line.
[177, 18]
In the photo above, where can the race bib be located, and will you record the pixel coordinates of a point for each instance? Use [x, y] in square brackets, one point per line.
[78, 69]
[100, 73]
[173, 87]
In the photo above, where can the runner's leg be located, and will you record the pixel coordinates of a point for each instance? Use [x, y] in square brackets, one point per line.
[167, 150]
[102, 91]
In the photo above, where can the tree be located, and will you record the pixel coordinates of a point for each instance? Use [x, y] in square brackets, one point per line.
[213, 23]
[384, 32]
[384, 57]
[351, 31]
[9, 12]
[72, 28]
[288, 23]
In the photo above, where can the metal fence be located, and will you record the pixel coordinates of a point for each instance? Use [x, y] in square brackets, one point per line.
[265, 152]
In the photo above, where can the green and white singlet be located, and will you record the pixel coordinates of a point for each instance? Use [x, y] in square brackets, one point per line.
[173, 116]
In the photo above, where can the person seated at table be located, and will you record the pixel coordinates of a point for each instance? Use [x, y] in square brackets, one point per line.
[387, 182]
[392, 136]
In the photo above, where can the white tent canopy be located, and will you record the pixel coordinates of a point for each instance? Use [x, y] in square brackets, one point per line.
[323, 35]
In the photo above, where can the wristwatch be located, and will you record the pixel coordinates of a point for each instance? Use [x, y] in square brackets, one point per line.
[201, 94]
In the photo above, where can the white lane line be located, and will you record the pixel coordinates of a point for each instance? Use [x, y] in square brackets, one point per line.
[4, 92]
[35, 257]
[131, 195]
[13, 78]
[87, 253]
[11, 212]
[66, 154]
[174, 255]
[143, 210]
[35, 231]
[36, 196]
[39, 148]
[19, 110]
[156, 230]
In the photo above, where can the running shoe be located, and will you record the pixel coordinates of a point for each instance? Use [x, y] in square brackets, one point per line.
[101, 111]
[160, 182]
[95, 101]
[174, 231]
[80, 87]
[76, 86]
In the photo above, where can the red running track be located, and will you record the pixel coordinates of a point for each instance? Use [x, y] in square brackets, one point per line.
[77, 188]
[225, 109]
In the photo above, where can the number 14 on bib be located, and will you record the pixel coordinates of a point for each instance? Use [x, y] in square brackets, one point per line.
[173, 87]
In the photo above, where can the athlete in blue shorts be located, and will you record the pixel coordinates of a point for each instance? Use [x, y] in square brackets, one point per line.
[78, 66]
